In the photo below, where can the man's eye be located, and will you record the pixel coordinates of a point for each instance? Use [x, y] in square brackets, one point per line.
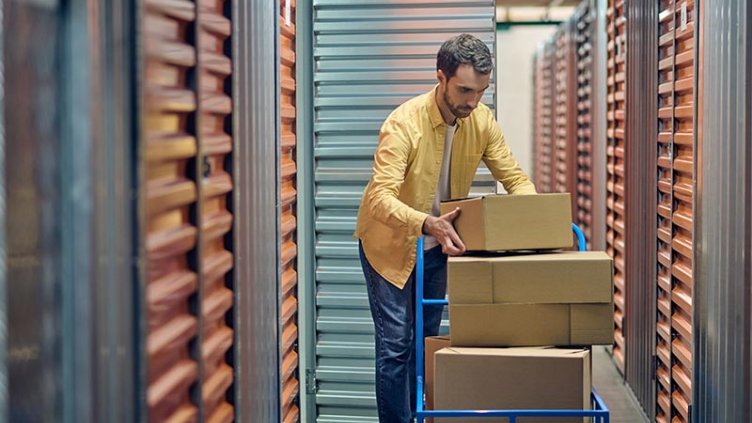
[466, 90]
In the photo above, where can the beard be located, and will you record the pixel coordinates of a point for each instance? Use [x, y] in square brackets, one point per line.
[457, 111]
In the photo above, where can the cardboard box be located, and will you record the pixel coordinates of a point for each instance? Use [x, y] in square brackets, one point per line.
[511, 325]
[432, 344]
[560, 277]
[512, 378]
[563, 298]
[514, 222]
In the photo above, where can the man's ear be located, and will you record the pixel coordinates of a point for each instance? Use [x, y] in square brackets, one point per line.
[441, 77]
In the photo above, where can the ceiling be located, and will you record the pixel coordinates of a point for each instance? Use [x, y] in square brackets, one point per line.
[536, 3]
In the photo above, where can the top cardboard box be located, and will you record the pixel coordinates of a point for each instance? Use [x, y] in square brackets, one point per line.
[514, 222]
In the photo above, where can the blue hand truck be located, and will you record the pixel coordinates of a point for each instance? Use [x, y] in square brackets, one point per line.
[599, 413]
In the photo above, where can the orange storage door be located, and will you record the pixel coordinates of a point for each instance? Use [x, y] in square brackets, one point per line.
[584, 71]
[545, 155]
[565, 89]
[538, 122]
[170, 198]
[676, 196]
[616, 121]
[215, 145]
[187, 142]
[288, 247]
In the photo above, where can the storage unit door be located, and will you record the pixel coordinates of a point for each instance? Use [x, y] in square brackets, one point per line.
[215, 148]
[288, 223]
[584, 22]
[564, 152]
[369, 57]
[186, 142]
[538, 121]
[549, 140]
[616, 121]
[676, 197]
[544, 160]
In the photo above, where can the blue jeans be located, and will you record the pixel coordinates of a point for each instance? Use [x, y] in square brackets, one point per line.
[393, 312]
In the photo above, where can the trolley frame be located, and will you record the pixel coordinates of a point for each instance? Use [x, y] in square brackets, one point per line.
[599, 413]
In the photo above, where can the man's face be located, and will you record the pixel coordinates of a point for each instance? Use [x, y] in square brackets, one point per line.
[463, 91]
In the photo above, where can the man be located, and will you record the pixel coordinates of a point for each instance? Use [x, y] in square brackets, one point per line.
[429, 150]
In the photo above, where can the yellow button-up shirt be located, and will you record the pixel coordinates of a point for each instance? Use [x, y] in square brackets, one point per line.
[406, 170]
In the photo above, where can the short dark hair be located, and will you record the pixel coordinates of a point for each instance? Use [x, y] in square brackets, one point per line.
[463, 49]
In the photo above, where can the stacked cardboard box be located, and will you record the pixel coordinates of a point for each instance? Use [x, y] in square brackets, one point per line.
[559, 299]
[511, 294]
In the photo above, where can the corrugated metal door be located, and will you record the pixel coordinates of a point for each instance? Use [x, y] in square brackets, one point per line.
[676, 140]
[565, 97]
[215, 147]
[544, 158]
[171, 209]
[288, 222]
[369, 57]
[186, 141]
[584, 19]
[538, 121]
[616, 121]
[665, 207]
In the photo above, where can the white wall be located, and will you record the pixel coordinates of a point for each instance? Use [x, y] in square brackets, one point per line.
[514, 91]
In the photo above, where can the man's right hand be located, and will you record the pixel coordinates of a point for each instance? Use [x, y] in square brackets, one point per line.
[442, 229]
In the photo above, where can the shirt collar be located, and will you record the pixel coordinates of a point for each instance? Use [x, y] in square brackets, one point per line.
[435, 113]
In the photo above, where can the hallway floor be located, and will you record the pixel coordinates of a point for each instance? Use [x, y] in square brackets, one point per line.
[611, 387]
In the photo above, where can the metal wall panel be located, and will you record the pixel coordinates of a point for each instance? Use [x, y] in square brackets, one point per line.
[69, 354]
[3, 259]
[255, 204]
[116, 372]
[615, 207]
[640, 199]
[722, 366]
[288, 227]
[32, 245]
[369, 57]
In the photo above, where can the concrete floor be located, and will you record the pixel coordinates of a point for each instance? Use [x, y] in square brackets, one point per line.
[615, 393]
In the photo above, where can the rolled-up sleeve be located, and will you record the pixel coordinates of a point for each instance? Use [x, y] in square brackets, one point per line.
[389, 167]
